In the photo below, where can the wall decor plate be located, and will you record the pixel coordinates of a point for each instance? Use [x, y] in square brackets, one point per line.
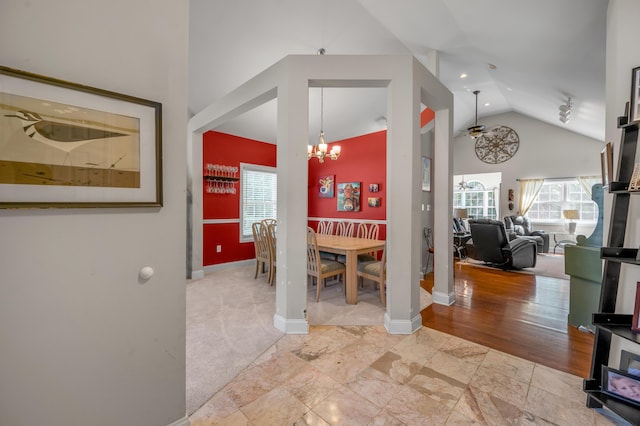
[498, 145]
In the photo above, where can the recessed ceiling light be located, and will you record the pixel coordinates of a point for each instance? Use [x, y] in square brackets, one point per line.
[492, 67]
[487, 104]
[463, 75]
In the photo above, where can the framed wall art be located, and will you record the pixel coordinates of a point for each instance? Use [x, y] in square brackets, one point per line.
[326, 186]
[606, 165]
[426, 174]
[373, 201]
[67, 145]
[349, 197]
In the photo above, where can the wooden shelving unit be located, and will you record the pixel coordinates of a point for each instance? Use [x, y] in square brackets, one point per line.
[607, 322]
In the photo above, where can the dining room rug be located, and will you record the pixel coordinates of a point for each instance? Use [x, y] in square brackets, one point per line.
[547, 265]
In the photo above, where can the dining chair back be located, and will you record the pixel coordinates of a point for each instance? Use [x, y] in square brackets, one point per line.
[375, 271]
[317, 267]
[345, 229]
[269, 221]
[261, 245]
[325, 227]
[368, 231]
[271, 240]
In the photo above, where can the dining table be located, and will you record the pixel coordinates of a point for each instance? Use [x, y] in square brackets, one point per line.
[350, 247]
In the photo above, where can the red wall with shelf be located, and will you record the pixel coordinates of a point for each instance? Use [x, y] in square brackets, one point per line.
[228, 150]
[363, 159]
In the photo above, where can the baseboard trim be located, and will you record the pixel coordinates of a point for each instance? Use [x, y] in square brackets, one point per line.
[446, 299]
[402, 326]
[291, 326]
[197, 275]
[181, 422]
[228, 265]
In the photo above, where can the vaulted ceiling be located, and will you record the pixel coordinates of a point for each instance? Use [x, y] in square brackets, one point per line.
[523, 56]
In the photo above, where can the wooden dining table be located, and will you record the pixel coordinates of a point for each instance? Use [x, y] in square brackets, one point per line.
[350, 247]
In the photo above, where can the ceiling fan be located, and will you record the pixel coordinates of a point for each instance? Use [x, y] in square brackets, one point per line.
[477, 130]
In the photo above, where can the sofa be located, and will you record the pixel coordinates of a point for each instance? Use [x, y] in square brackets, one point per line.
[520, 226]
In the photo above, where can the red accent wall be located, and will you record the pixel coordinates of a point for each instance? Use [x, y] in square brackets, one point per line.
[228, 150]
[363, 159]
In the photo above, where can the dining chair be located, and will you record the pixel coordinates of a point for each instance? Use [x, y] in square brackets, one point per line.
[369, 231]
[325, 227]
[345, 229]
[376, 271]
[319, 268]
[271, 239]
[261, 245]
[269, 221]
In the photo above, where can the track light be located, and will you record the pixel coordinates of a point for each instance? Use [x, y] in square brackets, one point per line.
[564, 113]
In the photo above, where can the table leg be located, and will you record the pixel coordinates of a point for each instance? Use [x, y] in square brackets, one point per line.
[351, 278]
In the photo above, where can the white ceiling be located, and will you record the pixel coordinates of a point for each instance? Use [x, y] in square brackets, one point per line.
[543, 51]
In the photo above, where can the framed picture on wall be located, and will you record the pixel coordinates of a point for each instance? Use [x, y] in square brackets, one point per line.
[349, 197]
[326, 186]
[426, 174]
[68, 145]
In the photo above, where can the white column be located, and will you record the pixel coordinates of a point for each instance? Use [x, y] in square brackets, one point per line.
[292, 168]
[194, 208]
[443, 290]
[404, 195]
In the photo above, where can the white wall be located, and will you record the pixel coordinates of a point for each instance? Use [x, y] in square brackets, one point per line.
[622, 56]
[545, 151]
[82, 340]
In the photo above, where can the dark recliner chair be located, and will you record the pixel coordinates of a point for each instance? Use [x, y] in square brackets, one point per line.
[520, 226]
[491, 245]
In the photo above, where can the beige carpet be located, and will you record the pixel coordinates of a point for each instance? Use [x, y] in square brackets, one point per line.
[547, 265]
[230, 324]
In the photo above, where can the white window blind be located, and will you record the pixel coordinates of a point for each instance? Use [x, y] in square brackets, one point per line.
[258, 196]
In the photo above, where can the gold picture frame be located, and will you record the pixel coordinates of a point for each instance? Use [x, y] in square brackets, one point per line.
[66, 145]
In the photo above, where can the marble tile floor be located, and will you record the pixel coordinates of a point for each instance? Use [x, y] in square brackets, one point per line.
[361, 375]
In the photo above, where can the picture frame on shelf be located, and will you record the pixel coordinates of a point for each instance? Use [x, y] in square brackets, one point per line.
[635, 323]
[606, 165]
[634, 182]
[630, 363]
[621, 384]
[67, 145]
[426, 174]
[634, 110]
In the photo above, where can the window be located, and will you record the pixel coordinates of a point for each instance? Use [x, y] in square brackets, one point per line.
[556, 196]
[258, 197]
[479, 202]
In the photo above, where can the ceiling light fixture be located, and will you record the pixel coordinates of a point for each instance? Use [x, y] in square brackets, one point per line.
[319, 151]
[476, 130]
[564, 113]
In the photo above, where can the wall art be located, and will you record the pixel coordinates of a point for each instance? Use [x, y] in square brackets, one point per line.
[67, 145]
[349, 197]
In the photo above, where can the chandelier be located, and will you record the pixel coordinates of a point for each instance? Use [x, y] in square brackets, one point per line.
[319, 151]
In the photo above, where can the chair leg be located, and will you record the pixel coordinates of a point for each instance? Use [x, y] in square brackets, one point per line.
[319, 286]
[383, 293]
[257, 268]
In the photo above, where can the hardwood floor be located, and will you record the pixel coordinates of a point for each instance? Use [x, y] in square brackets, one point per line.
[523, 315]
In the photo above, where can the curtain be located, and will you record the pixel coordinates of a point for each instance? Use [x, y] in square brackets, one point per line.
[587, 182]
[529, 190]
